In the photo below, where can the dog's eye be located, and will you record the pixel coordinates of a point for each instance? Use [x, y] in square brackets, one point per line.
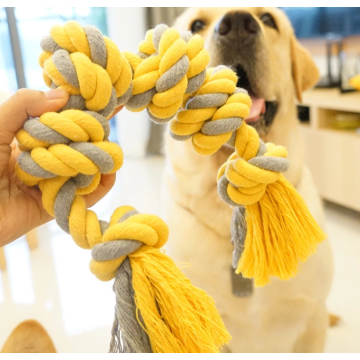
[197, 26]
[268, 20]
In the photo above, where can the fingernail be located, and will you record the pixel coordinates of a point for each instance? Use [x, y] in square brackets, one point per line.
[56, 94]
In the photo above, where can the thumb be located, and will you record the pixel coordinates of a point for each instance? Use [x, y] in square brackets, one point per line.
[18, 108]
[24, 104]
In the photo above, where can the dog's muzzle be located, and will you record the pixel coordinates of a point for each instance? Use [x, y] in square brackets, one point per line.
[237, 25]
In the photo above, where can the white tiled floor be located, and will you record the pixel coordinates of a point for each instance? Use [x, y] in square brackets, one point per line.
[53, 285]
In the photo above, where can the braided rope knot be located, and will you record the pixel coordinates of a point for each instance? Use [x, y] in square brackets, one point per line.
[243, 178]
[246, 181]
[160, 79]
[214, 113]
[173, 65]
[128, 234]
[64, 160]
[62, 128]
[88, 65]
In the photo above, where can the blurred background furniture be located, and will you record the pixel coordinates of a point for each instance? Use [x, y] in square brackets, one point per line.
[332, 151]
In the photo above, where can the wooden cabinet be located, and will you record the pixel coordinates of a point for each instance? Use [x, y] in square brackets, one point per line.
[333, 155]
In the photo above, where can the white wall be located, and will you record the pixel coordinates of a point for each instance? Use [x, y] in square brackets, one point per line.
[127, 27]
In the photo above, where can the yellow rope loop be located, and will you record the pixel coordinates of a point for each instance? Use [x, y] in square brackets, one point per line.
[146, 47]
[198, 56]
[73, 125]
[149, 230]
[71, 37]
[247, 141]
[118, 68]
[69, 161]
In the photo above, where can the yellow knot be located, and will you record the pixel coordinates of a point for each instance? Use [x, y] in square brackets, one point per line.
[149, 230]
[247, 182]
[95, 82]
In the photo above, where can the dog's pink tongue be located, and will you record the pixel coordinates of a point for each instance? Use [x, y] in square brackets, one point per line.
[258, 107]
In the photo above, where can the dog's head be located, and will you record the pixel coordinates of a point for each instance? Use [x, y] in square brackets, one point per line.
[259, 44]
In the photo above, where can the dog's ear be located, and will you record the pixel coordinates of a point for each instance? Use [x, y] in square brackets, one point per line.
[29, 337]
[305, 72]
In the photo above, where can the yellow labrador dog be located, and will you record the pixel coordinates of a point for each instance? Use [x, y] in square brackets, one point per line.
[285, 316]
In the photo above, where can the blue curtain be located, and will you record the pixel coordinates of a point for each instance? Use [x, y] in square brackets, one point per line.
[318, 21]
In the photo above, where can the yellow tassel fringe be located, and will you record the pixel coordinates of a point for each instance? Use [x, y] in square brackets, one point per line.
[281, 231]
[178, 317]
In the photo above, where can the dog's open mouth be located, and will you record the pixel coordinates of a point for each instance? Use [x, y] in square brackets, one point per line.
[262, 112]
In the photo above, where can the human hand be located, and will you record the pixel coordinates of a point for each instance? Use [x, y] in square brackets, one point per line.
[21, 208]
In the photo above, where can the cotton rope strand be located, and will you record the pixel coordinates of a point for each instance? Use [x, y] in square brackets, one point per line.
[158, 310]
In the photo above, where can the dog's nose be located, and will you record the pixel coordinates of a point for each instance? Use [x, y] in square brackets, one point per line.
[237, 23]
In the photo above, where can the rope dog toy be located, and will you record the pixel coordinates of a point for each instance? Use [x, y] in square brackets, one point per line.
[65, 154]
